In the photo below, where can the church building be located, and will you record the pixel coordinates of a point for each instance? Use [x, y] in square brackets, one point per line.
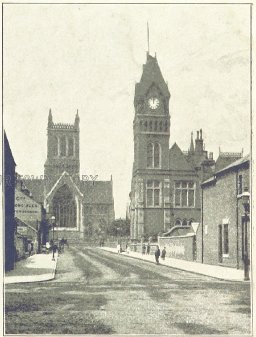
[81, 207]
[165, 188]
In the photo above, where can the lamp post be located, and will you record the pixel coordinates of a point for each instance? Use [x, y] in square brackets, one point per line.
[53, 248]
[245, 219]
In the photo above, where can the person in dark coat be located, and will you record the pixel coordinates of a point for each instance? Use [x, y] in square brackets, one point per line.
[157, 254]
[163, 253]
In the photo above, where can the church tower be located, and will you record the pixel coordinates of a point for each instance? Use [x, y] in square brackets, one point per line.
[62, 150]
[151, 129]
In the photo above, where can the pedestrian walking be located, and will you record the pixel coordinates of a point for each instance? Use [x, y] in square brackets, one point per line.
[163, 253]
[148, 248]
[143, 249]
[118, 248]
[157, 254]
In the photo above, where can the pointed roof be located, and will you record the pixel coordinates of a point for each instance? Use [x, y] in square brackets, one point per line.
[65, 178]
[151, 75]
[36, 187]
[177, 159]
[225, 159]
[97, 192]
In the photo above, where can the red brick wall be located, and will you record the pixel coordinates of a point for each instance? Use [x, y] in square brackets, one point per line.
[220, 201]
[178, 247]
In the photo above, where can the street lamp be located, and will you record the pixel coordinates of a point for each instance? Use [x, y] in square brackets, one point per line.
[245, 219]
[53, 223]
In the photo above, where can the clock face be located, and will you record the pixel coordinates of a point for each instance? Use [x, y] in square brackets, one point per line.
[153, 103]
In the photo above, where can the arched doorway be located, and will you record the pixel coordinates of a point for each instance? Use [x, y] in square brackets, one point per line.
[64, 207]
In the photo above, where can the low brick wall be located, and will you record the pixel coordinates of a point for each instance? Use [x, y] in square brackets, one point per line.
[179, 247]
[137, 247]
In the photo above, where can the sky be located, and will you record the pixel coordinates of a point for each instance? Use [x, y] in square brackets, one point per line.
[89, 57]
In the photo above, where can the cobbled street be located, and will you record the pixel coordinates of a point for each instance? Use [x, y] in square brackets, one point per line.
[100, 292]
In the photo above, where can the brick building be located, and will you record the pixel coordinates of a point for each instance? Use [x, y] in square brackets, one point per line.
[222, 234]
[9, 213]
[81, 207]
[165, 188]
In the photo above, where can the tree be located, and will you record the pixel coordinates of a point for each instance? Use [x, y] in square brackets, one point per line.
[119, 227]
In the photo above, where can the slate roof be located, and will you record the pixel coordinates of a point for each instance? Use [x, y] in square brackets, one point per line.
[151, 74]
[36, 187]
[234, 164]
[225, 160]
[177, 160]
[7, 150]
[230, 167]
[97, 192]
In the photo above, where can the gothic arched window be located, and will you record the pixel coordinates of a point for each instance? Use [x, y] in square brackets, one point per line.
[70, 147]
[178, 222]
[153, 155]
[63, 146]
[64, 207]
[150, 126]
[156, 155]
[145, 126]
[155, 125]
[150, 150]
[184, 222]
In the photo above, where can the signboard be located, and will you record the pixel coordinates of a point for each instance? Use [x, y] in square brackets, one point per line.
[195, 226]
[22, 230]
[27, 209]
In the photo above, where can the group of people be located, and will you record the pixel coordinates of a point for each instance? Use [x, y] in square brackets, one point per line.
[145, 250]
[158, 253]
[56, 246]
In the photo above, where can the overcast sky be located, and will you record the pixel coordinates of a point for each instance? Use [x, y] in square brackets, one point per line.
[88, 57]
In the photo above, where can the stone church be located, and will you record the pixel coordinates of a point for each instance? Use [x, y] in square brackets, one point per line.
[82, 207]
[165, 188]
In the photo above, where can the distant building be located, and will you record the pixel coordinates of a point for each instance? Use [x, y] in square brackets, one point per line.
[165, 188]
[223, 235]
[9, 195]
[81, 207]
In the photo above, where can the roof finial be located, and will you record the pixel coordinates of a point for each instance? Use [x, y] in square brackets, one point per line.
[148, 36]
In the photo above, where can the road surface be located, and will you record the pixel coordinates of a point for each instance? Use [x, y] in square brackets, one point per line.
[100, 292]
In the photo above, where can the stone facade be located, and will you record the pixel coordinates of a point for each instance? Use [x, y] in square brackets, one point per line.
[165, 188]
[81, 207]
[222, 229]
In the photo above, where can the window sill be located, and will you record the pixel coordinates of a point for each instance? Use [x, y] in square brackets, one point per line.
[225, 255]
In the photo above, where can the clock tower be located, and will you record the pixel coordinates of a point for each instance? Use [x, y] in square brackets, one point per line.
[151, 129]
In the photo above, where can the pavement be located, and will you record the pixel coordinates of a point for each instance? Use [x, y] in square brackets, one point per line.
[41, 267]
[36, 268]
[219, 272]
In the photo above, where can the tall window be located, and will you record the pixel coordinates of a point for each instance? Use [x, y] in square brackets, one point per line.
[150, 150]
[225, 239]
[153, 155]
[63, 146]
[70, 146]
[156, 155]
[240, 184]
[184, 194]
[153, 193]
